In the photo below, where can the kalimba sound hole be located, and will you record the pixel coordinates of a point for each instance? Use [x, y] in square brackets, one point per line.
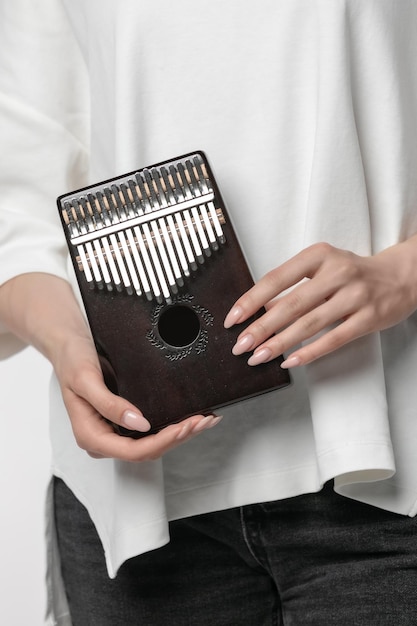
[178, 326]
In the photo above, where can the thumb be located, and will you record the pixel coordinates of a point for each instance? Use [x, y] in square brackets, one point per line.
[99, 389]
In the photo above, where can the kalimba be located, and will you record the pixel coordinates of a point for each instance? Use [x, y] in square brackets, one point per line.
[159, 265]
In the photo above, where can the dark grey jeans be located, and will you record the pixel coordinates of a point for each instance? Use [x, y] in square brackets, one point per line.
[318, 560]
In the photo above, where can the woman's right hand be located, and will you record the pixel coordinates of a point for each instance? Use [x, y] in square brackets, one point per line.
[42, 310]
[88, 402]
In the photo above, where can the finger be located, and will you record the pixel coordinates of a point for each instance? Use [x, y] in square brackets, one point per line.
[154, 446]
[309, 308]
[90, 386]
[307, 326]
[303, 265]
[346, 332]
[98, 438]
[209, 421]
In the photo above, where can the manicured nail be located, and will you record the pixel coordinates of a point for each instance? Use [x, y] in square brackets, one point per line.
[262, 356]
[135, 421]
[244, 344]
[215, 421]
[207, 422]
[233, 317]
[185, 430]
[292, 361]
[204, 423]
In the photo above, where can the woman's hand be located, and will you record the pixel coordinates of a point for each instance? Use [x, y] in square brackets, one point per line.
[42, 310]
[88, 401]
[344, 297]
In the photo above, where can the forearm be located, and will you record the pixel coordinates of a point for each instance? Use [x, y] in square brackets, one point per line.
[41, 309]
[407, 267]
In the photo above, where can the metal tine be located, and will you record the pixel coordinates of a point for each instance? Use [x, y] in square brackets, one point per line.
[134, 246]
[97, 214]
[106, 217]
[144, 200]
[171, 195]
[102, 264]
[74, 229]
[88, 216]
[195, 188]
[175, 185]
[140, 237]
[184, 238]
[126, 261]
[161, 194]
[205, 187]
[85, 264]
[205, 184]
[122, 209]
[162, 287]
[110, 259]
[156, 178]
[173, 228]
[94, 266]
[89, 252]
[200, 230]
[216, 223]
[139, 274]
[107, 204]
[159, 276]
[179, 195]
[140, 207]
[166, 239]
[190, 226]
[157, 236]
[103, 242]
[155, 202]
[198, 162]
[79, 217]
[165, 265]
[73, 225]
[115, 258]
[132, 277]
[209, 228]
[92, 226]
[124, 213]
[187, 195]
[129, 207]
[112, 207]
[136, 200]
[187, 191]
[194, 182]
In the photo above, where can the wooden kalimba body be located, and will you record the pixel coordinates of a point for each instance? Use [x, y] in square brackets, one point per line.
[159, 265]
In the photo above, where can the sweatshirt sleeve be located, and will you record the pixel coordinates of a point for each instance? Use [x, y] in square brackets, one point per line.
[44, 133]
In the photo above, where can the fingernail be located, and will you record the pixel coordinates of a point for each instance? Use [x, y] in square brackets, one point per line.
[203, 424]
[292, 361]
[207, 422]
[215, 421]
[244, 344]
[185, 430]
[135, 421]
[233, 316]
[262, 356]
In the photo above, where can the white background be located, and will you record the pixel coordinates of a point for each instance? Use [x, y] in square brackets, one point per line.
[24, 475]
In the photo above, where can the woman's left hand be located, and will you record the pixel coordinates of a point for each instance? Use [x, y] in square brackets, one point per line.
[345, 295]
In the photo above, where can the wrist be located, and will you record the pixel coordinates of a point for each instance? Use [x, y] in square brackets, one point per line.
[41, 309]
